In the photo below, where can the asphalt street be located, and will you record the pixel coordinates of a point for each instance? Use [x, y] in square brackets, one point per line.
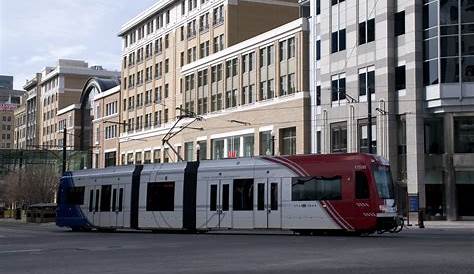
[31, 248]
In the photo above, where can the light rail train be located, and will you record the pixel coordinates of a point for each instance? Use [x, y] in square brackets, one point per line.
[303, 193]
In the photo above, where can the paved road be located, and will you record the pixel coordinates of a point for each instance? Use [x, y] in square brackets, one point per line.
[29, 248]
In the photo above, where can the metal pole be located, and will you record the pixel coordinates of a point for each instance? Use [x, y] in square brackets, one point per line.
[369, 117]
[273, 145]
[64, 149]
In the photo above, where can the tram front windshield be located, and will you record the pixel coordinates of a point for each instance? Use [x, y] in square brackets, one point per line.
[383, 180]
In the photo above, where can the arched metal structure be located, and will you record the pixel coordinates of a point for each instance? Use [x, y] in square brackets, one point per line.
[93, 87]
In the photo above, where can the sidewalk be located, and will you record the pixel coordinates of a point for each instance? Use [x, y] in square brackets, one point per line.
[444, 224]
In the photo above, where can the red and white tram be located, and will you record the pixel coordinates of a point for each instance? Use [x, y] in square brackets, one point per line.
[349, 192]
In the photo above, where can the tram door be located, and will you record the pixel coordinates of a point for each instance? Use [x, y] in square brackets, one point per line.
[219, 214]
[107, 217]
[94, 205]
[268, 203]
[117, 206]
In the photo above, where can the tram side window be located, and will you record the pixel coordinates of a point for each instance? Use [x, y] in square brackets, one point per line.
[213, 204]
[96, 206]
[361, 185]
[120, 205]
[114, 199]
[91, 199]
[261, 197]
[315, 189]
[105, 198]
[274, 196]
[225, 197]
[75, 196]
[160, 196]
[243, 194]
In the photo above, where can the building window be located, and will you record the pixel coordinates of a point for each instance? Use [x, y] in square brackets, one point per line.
[147, 157]
[202, 150]
[157, 156]
[288, 141]
[363, 136]
[464, 134]
[217, 151]
[400, 78]
[338, 41]
[339, 137]
[218, 15]
[318, 142]
[138, 158]
[188, 151]
[400, 23]
[366, 81]
[318, 95]
[367, 31]
[318, 50]
[110, 159]
[338, 87]
[160, 196]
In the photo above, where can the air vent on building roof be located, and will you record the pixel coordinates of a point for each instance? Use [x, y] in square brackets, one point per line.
[97, 68]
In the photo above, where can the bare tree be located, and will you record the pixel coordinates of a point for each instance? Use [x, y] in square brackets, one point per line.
[34, 184]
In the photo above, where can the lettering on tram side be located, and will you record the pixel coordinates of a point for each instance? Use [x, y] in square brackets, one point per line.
[305, 205]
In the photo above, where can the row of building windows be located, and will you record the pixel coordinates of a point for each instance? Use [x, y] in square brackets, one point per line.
[145, 99]
[229, 147]
[164, 19]
[50, 114]
[366, 83]
[146, 121]
[111, 108]
[192, 55]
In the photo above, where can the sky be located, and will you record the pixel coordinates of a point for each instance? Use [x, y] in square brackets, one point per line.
[35, 33]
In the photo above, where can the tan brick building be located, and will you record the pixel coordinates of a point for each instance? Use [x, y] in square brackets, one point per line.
[106, 128]
[60, 87]
[169, 37]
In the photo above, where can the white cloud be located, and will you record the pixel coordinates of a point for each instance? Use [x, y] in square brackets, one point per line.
[34, 34]
[67, 51]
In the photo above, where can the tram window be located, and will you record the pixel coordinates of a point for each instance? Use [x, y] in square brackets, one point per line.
[160, 196]
[213, 202]
[225, 197]
[105, 198]
[75, 196]
[243, 194]
[114, 199]
[91, 198]
[315, 189]
[274, 196]
[97, 193]
[261, 197]
[361, 185]
[120, 205]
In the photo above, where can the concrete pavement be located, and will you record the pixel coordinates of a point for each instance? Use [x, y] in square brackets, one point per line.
[32, 248]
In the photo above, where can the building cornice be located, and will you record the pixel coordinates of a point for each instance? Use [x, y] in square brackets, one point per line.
[107, 93]
[68, 109]
[82, 71]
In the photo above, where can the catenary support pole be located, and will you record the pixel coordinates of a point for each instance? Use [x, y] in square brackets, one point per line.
[64, 149]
